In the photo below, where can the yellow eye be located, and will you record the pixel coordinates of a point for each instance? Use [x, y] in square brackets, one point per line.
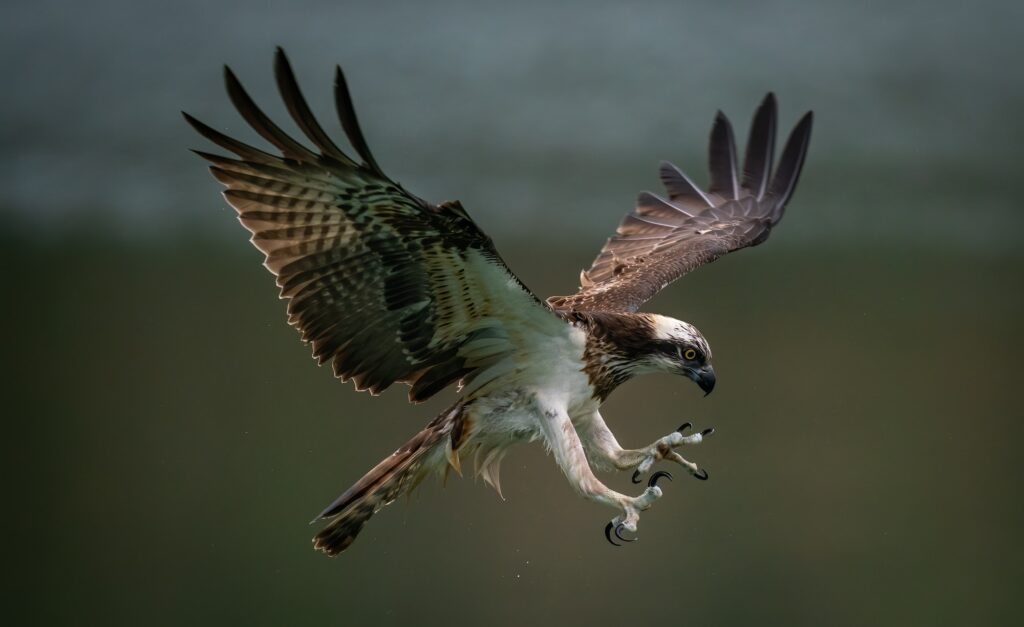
[689, 354]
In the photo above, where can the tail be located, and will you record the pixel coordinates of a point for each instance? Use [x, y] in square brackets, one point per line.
[430, 450]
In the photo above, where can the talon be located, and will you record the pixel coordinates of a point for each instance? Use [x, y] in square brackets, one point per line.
[683, 427]
[608, 534]
[636, 477]
[653, 481]
[708, 431]
[618, 528]
[703, 476]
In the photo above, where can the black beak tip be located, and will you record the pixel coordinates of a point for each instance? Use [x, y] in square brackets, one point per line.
[706, 380]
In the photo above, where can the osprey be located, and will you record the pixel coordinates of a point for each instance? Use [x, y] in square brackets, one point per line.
[389, 287]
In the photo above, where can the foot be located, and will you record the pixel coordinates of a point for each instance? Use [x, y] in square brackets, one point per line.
[663, 449]
[630, 516]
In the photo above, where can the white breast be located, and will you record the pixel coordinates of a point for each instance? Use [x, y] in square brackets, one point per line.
[552, 368]
[507, 411]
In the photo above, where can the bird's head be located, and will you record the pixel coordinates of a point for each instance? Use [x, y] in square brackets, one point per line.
[677, 347]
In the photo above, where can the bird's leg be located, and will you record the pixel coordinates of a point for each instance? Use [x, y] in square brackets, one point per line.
[604, 450]
[565, 445]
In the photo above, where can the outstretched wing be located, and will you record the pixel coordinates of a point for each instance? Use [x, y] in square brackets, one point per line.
[384, 285]
[661, 240]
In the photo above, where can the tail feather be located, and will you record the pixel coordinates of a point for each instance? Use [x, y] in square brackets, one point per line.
[396, 475]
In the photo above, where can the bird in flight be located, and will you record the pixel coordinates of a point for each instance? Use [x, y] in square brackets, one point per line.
[388, 287]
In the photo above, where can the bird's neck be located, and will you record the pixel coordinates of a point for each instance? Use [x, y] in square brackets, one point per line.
[616, 343]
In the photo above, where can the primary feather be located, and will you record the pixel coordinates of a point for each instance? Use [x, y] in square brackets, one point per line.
[663, 239]
[385, 286]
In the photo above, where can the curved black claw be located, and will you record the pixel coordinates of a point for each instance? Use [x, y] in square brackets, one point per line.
[683, 427]
[703, 476]
[653, 481]
[636, 476]
[708, 431]
[608, 534]
[619, 528]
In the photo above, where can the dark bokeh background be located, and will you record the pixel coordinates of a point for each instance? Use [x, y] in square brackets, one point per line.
[168, 436]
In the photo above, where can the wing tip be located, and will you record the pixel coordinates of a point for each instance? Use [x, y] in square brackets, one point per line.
[194, 122]
[298, 109]
[722, 158]
[229, 76]
[791, 163]
[280, 60]
[350, 122]
[678, 185]
[760, 151]
[644, 197]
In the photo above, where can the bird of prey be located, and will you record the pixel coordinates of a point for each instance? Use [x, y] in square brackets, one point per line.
[388, 287]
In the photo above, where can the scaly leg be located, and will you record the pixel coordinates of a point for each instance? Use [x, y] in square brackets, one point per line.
[605, 452]
[565, 445]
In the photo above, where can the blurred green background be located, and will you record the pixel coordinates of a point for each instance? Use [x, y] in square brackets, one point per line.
[168, 436]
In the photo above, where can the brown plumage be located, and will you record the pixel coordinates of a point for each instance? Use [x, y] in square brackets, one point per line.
[614, 343]
[663, 239]
[388, 287]
[376, 279]
[394, 476]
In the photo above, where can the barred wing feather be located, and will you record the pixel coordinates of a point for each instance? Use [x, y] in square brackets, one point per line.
[663, 239]
[384, 285]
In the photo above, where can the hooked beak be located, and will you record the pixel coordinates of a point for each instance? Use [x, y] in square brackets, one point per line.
[704, 377]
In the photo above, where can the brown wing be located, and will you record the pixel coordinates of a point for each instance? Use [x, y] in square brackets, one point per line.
[661, 240]
[386, 286]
